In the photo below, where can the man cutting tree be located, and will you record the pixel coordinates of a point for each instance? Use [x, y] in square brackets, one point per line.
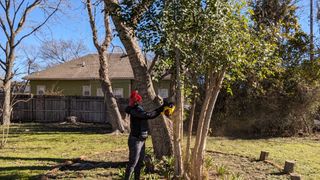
[139, 132]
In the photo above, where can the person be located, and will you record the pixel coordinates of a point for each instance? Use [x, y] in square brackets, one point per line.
[138, 134]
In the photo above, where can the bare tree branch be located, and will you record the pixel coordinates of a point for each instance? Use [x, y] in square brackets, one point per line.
[92, 24]
[168, 72]
[7, 9]
[39, 26]
[17, 10]
[1, 47]
[18, 101]
[25, 14]
[3, 27]
[2, 65]
[155, 59]
[3, 7]
[108, 33]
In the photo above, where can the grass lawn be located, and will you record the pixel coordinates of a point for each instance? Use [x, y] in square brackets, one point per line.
[305, 151]
[33, 149]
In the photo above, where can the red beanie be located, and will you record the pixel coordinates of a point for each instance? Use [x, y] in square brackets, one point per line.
[134, 97]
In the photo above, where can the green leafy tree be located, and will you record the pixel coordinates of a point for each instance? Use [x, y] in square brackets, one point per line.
[212, 40]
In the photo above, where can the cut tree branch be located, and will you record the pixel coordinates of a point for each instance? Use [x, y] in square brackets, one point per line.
[38, 27]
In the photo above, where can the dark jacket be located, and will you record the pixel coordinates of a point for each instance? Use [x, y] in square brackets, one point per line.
[139, 119]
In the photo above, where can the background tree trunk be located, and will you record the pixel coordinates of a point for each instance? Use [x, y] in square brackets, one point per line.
[115, 118]
[110, 100]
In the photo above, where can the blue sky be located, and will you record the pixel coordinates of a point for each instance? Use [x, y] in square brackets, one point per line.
[73, 24]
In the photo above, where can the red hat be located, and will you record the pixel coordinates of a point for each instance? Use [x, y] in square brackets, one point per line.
[134, 97]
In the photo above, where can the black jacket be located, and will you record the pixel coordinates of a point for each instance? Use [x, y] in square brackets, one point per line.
[139, 119]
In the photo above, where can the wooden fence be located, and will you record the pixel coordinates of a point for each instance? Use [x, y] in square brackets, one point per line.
[57, 108]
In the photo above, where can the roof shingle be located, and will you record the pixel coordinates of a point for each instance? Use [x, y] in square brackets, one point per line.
[85, 68]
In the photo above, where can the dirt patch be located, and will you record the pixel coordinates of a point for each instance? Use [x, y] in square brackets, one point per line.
[230, 166]
[110, 165]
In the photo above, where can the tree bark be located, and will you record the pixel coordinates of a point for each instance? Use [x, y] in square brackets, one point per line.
[110, 100]
[160, 128]
[189, 131]
[115, 118]
[214, 86]
[178, 119]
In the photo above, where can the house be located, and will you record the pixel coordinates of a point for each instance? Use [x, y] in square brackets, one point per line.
[80, 77]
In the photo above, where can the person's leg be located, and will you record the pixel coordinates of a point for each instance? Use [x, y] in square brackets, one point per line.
[134, 153]
[137, 169]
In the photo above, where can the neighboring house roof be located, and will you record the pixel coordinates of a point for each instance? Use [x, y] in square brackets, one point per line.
[86, 68]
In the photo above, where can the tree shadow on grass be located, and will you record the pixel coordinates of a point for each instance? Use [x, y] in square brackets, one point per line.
[86, 128]
[58, 160]
[89, 165]
[15, 176]
[21, 168]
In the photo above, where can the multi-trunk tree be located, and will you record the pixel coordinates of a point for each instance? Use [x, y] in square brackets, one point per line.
[212, 43]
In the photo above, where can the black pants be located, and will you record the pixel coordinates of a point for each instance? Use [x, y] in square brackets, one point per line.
[136, 157]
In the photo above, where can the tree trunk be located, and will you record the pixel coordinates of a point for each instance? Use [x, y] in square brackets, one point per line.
[159, 127]
[115, 118]
[215, 86]
[190, 125]
[203, 112]
[178, 119]
[110, 101]
[6, 106]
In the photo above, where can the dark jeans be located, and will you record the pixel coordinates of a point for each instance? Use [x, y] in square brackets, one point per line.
[136, 157]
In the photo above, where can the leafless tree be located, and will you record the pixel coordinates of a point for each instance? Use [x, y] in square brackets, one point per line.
[16, 27]
[60, 51]
[110, 100]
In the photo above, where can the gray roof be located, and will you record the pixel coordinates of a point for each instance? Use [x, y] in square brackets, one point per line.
[86, 68]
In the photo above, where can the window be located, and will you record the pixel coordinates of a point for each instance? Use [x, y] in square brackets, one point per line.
[118, 92]
[99, 92]
[86, 90]
[164, 93]
[41, 89]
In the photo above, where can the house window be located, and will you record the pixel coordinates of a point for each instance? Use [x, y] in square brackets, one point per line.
[118, 92]
[100, 92]
[86, 90]
[164, 93]
[41, 89]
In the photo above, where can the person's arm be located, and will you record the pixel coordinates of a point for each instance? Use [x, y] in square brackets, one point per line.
[141, 114]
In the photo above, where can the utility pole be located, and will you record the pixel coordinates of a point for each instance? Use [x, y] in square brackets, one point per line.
[311, 32]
